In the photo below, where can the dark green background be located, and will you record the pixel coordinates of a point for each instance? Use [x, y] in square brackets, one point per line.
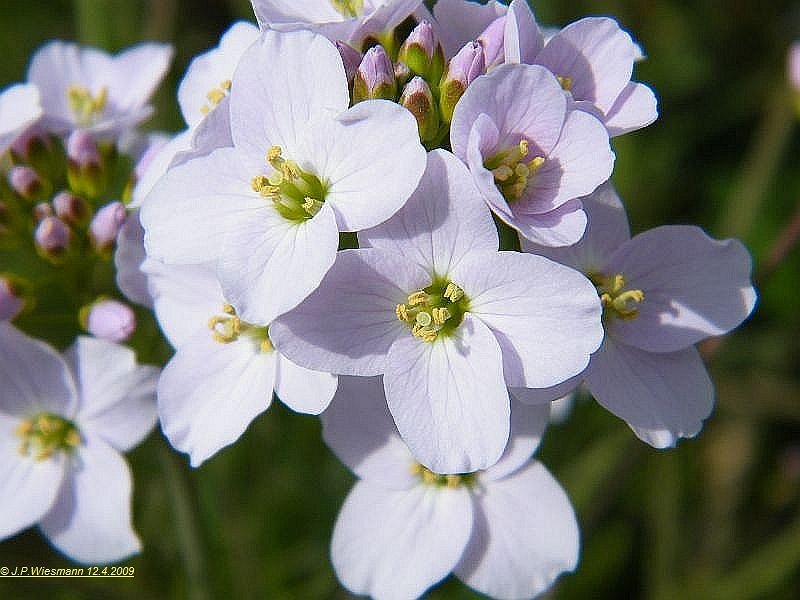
[716, 518]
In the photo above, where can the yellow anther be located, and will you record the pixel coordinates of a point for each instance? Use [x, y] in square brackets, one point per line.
[402, 312]
[535, 163]
[312, 206]
[24, 428]
[228, 309]
[452, 481]
[566, 82]
[226, 85]
[522, 171]
[84, 106]
[416, 298]
[215, 96]
[423, 319]
[620, 303]
[259, 182]
[453, 292]
[523, 147]
[205, 109]
[45, 434]
[440, 315]
[273, 153]
[428, 477]
[266, 345]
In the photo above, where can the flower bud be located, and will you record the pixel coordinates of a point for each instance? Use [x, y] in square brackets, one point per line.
[41, 211]
[108, 319]
[418, 99]
[793, 67]
[375, 77]
[423, 53]
[351, 58]
[10, 302]
[70, 208]
[84, 164]
[105, 226]
[52, 237]
[492, 41]
[464, 67]
[29, 143]
[26, 182]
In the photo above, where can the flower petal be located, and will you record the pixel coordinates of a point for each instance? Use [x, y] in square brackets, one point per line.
[118, 397]
[301, 389]
[522, 39]
[636, 107]
[91, 520]
[463, 21]
[528, 424]
[545, 316]
[398, 543]
[28, 487]
[34, 376]
[370, 175]
[209, 392]
[662, 396]
[444, 220]
[546, 395]
[448, 398]
[348, 324]
[694, 287]
[269, 265]
[19, 107]
[525, 535]
[283, 82]
[607, 230]
[358, 428]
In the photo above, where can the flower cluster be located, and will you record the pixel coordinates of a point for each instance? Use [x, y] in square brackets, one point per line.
[401, 220]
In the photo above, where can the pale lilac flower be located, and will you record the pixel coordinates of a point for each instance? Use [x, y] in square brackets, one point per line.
[350, 21]
[351, 59]
[529, 154]
[224, 371]
[593, 60]
[461, 21]
[63, 426]
[429, 302]
[302, 168]
[663, 291]
[793, 66]
[129, 256]
[10, 302]
[507, 532]
[111, 320]
[86, 88]
[19, 108]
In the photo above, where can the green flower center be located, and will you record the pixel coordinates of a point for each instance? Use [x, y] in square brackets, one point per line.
[617, 301]
[296, 194]
[513, 170]
[348, 8]
[45, 434]
[451, 481]
[86, 107]
[227, 328]
[435, 310]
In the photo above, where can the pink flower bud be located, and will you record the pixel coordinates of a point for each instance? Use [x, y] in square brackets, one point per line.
[52, 237]
[375, 76]
[111, 320]
[106, 224]
[70, 208]
[10, 303]
[82, 149]
[31, 142]
[41, 211]
[492, 41]
[25, 181]
[423, 54]
[351, 58]
[464, 67]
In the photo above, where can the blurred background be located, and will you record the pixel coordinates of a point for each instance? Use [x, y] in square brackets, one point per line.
[718, 517]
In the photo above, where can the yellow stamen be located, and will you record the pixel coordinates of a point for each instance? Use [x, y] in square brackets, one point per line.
[566, 82]
[416, 298]
[402, 312]
[453, 292]
[312, 206]
[440, 315]
[84, 105]
[45, 434]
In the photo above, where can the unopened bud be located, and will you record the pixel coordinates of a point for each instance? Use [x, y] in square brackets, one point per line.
[423, 53]
[84, 164]
[10, 302]
[793, 66]
[464, 67]
[52, 237]
[108, 319]
[29, 143]
[375, 77]
[351, 58]
[418, 99]
[26, 182]
[70, 208]
[106, 225]
[82, 149]
[41, 211]
[492, 41]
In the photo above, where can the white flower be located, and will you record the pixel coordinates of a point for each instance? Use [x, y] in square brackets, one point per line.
[507, 532]
[63, 424]
[302, 168]
[430, 303]
[86, 88]
[224, 370]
